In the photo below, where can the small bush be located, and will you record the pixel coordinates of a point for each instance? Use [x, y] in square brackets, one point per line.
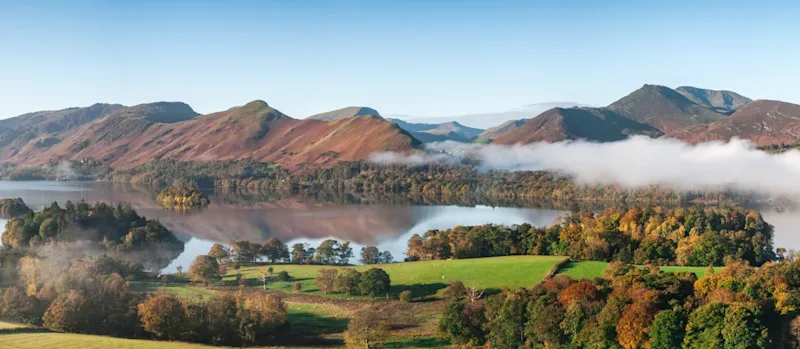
[284, 276]
[406, 296]
[297, 287]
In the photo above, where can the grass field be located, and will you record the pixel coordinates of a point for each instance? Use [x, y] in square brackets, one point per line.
[423, 278]
[590, 269]
[8, 326]
[79, 341]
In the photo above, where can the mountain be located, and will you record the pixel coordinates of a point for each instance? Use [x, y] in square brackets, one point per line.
[663, 108]
[763, 122]
[725, 102]
[452, 131]
[343, 113]
[593, 124]
[133, 136]
[44, 126]
[492, 119]
[492, 133]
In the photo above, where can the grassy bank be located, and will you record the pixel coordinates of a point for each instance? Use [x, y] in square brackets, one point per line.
[590, 269]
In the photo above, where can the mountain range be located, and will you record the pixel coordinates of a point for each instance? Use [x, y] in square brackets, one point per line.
[129, 136]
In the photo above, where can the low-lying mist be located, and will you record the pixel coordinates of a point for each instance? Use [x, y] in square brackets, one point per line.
[636, 162]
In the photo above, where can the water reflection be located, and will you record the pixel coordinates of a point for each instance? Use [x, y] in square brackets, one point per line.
[387, 222]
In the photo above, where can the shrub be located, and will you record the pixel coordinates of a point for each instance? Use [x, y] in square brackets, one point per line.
[374, 282]
[325, 279]
[406, 296]
[297, 287]
[283, 276]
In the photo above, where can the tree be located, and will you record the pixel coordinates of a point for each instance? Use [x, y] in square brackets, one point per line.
[219, 252]
[366, 329]
[298, 253]
[162, 315]
[15, 305]
[347, 281]
[245, 251]
[634, 326]
[325, 279]
[274, 250]
[344, 252]
[68, 313]
[370, 255]
[204, 268]
[704, 328]
[743, 327]
[667, 330]
[374, 282]
[327, 252]
[180, 269]
[462, 322]
[385, 257]
[415, 248]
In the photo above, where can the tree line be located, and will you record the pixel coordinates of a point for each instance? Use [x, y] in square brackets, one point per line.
[654, 235]
[738, 307]
[329, 252]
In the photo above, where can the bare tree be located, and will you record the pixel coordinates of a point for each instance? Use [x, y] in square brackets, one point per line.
[474, 293]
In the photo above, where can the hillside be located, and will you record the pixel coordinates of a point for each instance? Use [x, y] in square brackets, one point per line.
[427, 133]
[593, 124]
[663, 108]
[344, 113]
[492, 133]
[45, 126]
[763, 122]
[137, 135]
[725, 102]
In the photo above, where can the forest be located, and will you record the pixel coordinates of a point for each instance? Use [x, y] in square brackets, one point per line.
[739, 307]
[653, 235]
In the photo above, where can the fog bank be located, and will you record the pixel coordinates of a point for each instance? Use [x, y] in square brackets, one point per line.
[636, 162]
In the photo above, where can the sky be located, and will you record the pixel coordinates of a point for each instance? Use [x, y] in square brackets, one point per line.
[429, 58]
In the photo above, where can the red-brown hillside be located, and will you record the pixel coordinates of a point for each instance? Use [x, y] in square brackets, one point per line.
[127, 139]
[763, 122]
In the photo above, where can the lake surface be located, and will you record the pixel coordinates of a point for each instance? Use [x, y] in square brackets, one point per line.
[254, 218]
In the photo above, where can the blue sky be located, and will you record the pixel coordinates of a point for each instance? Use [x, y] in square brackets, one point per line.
[424, 58]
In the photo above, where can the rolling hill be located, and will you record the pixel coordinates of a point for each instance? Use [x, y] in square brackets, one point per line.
[132, 136]
[593, 124]
[492, 133]
[763, 122]
[663, 108]
[725, 102]
[447, 131]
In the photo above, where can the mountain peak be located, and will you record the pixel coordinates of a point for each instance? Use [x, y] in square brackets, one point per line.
[256, 104]
[347, 112]
[722, 101]
[663, 108]
[163, 112]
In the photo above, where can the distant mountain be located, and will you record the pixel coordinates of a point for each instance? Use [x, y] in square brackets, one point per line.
[663, 108]
[592, 124]
[38, 126]
[725, 102]
[132, 136]
[494, 132]
[763, 122]
[343, 113]
[427, 133]
[487, 120]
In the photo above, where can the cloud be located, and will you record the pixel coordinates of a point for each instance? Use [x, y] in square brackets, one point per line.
[636, 162]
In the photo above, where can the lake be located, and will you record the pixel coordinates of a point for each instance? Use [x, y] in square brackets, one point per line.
[255, 218]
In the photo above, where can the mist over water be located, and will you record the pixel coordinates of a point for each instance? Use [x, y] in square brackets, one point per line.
[636, 162]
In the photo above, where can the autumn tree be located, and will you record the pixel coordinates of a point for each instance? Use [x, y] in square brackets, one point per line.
[633, 330]
[204, 269]
[68, 313]
[366, 329]
[347, 281]
[327, 252]
[219, 252]
[162, 316]
[326, 279]
[298, 254]
[743, 326]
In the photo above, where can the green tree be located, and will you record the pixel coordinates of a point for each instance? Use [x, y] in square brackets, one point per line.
[369, 255]
[298, 253]
[667, 330]
[274, 250]
[462, 322]
[205, 269]
[326, 278]
[327, 252]
[347, 281]
[374, 282]
[704, 328]
[743, 327]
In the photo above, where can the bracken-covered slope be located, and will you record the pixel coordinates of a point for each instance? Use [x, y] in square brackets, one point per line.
[725, 102]
[663, 108]
[137, 135]
[592, 124]
[44, 126]
[763, 122]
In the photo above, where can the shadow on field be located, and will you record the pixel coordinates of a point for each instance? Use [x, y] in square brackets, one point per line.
[419, 290]
[312, 323]
[417, 343]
